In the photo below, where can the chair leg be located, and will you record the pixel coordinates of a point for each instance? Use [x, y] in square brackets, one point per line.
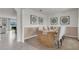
[62, 37]
[58, 44]
[61, 42]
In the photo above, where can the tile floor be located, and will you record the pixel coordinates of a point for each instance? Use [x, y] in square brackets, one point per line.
[6, 45]
[33, 44]
[8, 42]
[68, 44]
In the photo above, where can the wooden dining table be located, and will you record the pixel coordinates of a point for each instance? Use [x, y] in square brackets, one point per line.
[47, 38]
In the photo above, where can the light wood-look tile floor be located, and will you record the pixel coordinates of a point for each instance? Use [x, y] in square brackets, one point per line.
[34, 44]
[68, 44]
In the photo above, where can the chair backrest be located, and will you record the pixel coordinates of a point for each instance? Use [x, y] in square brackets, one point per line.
[40, 28]
[62, 32]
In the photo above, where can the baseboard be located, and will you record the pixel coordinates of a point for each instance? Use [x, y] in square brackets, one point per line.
[76, 37]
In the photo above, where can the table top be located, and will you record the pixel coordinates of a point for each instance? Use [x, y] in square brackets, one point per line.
[50, 31]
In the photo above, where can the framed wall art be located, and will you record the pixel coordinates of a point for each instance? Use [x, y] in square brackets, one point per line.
[33, 19]
[54, 21]
[40, 20]
[65, 20]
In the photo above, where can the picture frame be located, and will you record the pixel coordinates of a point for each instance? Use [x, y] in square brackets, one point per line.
[33, 19]
[40, 20]
[54, 21]
[65, 20]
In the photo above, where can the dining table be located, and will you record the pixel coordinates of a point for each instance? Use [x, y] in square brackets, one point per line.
[47, 38]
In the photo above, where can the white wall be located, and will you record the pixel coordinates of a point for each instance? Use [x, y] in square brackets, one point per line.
[73, 22]
[73, 17]
[25, 20]
[72, 13]
[26, 17]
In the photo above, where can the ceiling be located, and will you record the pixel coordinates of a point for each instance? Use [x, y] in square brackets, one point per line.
[51, 11]
[7, 11]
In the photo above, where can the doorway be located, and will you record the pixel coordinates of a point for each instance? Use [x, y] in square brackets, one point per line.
[12, 29]
[7, 28]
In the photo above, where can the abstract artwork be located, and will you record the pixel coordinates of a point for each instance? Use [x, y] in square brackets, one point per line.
[54, 21]
[33, 19]
[65, 20]
[40, 20]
